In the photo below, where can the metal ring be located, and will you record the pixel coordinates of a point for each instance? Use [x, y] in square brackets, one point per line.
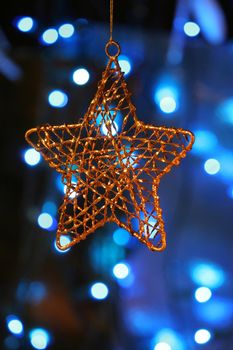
[112, 43]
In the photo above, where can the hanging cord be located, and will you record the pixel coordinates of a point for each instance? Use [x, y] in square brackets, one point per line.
[111, 19]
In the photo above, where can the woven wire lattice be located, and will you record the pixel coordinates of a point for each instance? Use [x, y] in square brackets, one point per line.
[111, 164]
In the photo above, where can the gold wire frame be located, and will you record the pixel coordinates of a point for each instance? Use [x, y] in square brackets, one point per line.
[111, 164]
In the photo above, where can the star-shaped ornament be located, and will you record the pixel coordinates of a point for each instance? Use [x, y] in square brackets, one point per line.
[111, 164]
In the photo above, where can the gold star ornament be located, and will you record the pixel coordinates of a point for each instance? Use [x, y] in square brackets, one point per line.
[111, 164]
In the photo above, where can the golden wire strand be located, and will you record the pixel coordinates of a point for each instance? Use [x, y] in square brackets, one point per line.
[111, 169]
[111, 18]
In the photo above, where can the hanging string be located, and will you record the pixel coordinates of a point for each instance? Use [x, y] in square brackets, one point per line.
[111, 19]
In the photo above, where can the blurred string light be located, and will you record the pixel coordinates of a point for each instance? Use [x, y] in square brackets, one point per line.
[213, 26]
[39, 338]
[66, 30]
[208, 275]
[212, 166]
[32, 157]
[46, 221]
[203, 294]
[121, 270]
[49, 36]
[166, 98]
[25, 24]
[205, 141]
[99, 291]
[202, 336]
[125, 64]
[57, 98]
[81, 76]
[64, 240]
[191, 29]
[121, 237]
[14, 325]
[170, 337]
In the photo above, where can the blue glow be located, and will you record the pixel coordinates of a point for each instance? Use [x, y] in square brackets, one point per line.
[49, 36]
[162, 346]
[45, 221]
[121, 237]
[125, 64]
[11, 343]
[121, 270]
[191, 29]
[64, 240]
[207, 275]
[107, 132]
[50, 208]
[81, 76]
[14, 325]
[39, 338]
[212, 166]
[230, 192]
[170, 337]
[203, 294]
[225, 111]
[218, 312]
[32, 157]
[66, 30]
[166, 98]
[99, 291]
[205, 141]
[202, 336]
[25, 24]
[57, 98]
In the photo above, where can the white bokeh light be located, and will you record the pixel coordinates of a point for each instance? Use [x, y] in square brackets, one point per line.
[39, 338]
[121, 270]
[191, 29]
[45, 221]
[57, 98]
[49, 36]
[99, 291]
[203, 294]
[66, 30]
[25, 24]
[168, 104]
[212, 166]
[81, 76]
[32, 157]
[202, 336]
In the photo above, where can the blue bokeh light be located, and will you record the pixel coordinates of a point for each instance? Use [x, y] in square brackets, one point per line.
[39, 338]
[64, 240]
[49, 36]
[191, 29]
[230, 191]
[166, 98]
[45, 221]
[57, 98]
[99, 291]
[32, 157]
[207, 275]
[81, 76]
[225, 111]
[125, 64]
[11, 342]
[50, 208]
[170, 337]
[218, 312]
[66, 30]
[121, 237]
[203, 294]
[212, 166]
[25, 24]
[14, 325]
[121, 270]
[205, 141]
[202, 336]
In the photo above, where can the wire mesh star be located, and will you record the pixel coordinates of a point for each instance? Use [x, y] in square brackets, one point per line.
[111, 164]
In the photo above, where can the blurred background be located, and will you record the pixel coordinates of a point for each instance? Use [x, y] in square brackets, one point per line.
[110, 292]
